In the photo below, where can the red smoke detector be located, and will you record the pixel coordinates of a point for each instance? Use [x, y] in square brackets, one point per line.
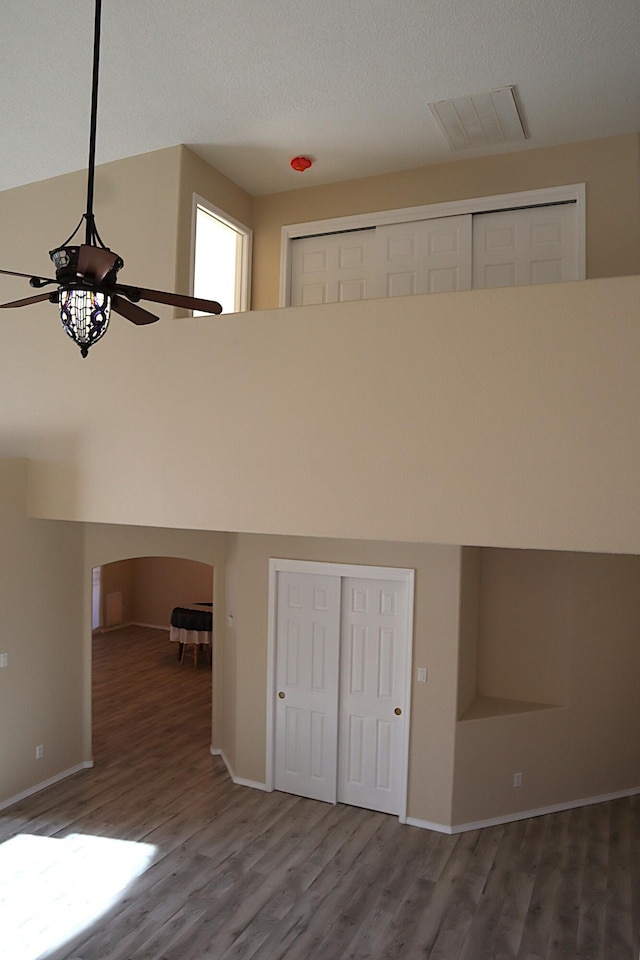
[301, 164]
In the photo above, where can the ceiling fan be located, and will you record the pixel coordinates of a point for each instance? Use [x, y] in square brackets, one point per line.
[86, 273]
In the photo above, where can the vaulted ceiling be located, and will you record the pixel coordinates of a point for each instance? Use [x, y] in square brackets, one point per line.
[248, 84]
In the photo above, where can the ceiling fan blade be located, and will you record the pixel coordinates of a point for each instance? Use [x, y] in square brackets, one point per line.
[29, 276]
[132, 311]
[173, 299]
[94, 263]
[26, 301]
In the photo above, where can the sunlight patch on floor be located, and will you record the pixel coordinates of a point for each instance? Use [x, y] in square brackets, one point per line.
[52, 889]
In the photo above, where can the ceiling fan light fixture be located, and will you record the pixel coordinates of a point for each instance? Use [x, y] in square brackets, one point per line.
[84, 314]
[87, 273]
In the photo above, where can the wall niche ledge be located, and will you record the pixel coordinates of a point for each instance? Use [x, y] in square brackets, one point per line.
[482, 708]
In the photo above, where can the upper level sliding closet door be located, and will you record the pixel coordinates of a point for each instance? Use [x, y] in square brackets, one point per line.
[396, 260]
[516, 247]
[333, 268]
[520, 247]
[423, 256]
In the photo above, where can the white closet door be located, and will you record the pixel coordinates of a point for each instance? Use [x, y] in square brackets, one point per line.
[342, 656]
[520, 247]
[424, 256]
[307, 663]
[333, 268]
[372, 694]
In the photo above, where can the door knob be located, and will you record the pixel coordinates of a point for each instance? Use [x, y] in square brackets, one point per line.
[397, 711]
[281, 695]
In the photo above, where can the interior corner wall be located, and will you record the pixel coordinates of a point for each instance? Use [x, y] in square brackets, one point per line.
[568, 622]
[437, 589]
[469, 613]
[41, 597]
[106, 543]
[117, 577]
[199, 177]
[233, 609]
[610, 167]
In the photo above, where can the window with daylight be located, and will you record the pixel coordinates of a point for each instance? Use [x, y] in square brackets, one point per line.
[221, 257]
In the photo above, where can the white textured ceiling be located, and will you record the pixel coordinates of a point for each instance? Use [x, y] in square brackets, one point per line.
[248, 84]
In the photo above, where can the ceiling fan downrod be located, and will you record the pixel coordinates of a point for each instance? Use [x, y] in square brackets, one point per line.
[91, 235]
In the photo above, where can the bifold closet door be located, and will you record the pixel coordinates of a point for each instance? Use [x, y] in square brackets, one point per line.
[307, 664]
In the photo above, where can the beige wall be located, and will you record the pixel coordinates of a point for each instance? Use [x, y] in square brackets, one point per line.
[494, 407]
[562, 627]
[493, 417]
[469, 614]
[528, 626]
[524, 622]
[199, 177]
[162, 583]
[119, 578]
[152, 586]
[609, 167]
[232, 707]
[435, 646]
[582, 650]
[41, 586]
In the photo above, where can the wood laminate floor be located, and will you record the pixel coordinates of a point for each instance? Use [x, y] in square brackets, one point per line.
[235, 873]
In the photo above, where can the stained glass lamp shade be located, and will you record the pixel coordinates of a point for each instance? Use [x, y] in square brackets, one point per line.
[84, 315]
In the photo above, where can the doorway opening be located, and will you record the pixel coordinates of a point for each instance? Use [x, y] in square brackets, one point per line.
[143, 691]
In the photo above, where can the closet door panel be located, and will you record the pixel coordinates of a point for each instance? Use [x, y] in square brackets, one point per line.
[424, 256]
[307, 663]
[332, 268]
[521, 247]
[372, 694]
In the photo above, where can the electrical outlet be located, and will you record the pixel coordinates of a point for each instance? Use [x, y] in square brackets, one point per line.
[517, 779]
[39, 752]
[422, 674]
[4, 660]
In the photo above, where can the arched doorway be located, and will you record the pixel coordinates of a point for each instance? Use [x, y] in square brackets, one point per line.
[140, 689]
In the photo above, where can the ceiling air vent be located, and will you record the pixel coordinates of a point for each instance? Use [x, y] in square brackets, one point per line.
[480, 120]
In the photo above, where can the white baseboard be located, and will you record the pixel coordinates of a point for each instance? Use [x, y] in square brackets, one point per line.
[428, 825]
[86, 765]
[130, 623]
[111, 628]
[254, 784]
[522, 814]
